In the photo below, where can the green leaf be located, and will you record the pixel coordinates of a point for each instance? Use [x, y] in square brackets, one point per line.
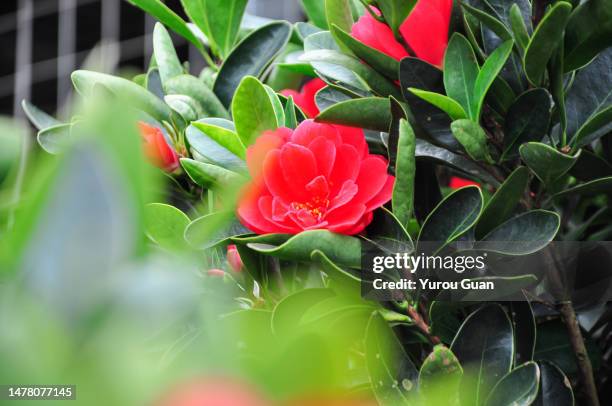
[213, 229]
[376, 59]
[587, 98]
[460, 71]
[444, 103]
[524, 324]
[473, 138]
[85, 81]
[367, 112]
[521, 35]
[54, 139]
[315, 10]
[491, 68]
[519, 387]
[445, 319]
[490, 21]
[403, 189]
[430, 152]
[208, 175]
[396, 12]
[341, 249]
[195, 88]
[544, 41]
[37, 117]
[338, 14]
[440, 376]
[224, 137]
[251, 57]
[325, 61]
[452, 217]
[163, 13]
[484, 346]
[547, 163]
[596, 127]
[392, 372]
[555, 388]
[211, 150]
[503, 203]
[527, 120]
[279, 111]
[524, 234]
[218, 19]
[167, 60]
[165, 225]
[186, 107]
[253, 110]
[289, 310]
[305, 29]
[587, 33]
[594, 187]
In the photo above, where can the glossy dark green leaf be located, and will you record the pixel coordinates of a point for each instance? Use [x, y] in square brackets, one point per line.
[489, 71]
[519, 28]
[445, 319]
[85, 81]
[433, 122]
[290, 117]
[587, 98]
[328, 96]
[590, 166]
[405, 168]
[454, 110]
[527, 120]
[460, 71]
[253, 110]
[490, 21]
[392, 373]
[208, 175]
[322, 59]
[395, 12]
[473, 138]
[165, 225]
[524, 234]
[341, 249]
[154, 83]
[195, 88]
[442, 156]
[368, 112]
[218, 19]
[547, 163]
[376, 59]
[555, 388]
[251, 57]
[212, 151]
[524, 324]
[338, 14]
[594, 187]
[344, 279]
[305, 29]
[37, 117]
[485, 348]
[454, 216]
[440, 376]
[503, 203]
[167, 60]
[588, 32]
[163, 13]
[213, 229]
[519, 387]
[545, 39]
[186, 107]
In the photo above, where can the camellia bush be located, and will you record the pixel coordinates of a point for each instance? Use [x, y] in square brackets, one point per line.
[418, 126]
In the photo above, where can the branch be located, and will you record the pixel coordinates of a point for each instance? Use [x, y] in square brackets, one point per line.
[422, 325]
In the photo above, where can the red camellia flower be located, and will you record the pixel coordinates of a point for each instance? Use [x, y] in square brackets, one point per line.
[233, 258]
[305, 98]
[157, 149]
[457, 183]
[320, 176]
[425, 31]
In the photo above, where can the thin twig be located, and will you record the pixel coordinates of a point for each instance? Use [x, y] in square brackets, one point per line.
[422, 325]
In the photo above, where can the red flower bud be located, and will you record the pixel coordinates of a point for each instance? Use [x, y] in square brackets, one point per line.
[305, 98]
[318, 176]
[425, 31]
[233, 258]
[457, 183]
[157, 149]
[216, 272]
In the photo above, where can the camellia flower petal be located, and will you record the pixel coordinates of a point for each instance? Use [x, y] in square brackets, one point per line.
[457, 183]
[233, 258]
[213, 391]
[319, 176]
[157, 149]
[305, 98]
[425, 31]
